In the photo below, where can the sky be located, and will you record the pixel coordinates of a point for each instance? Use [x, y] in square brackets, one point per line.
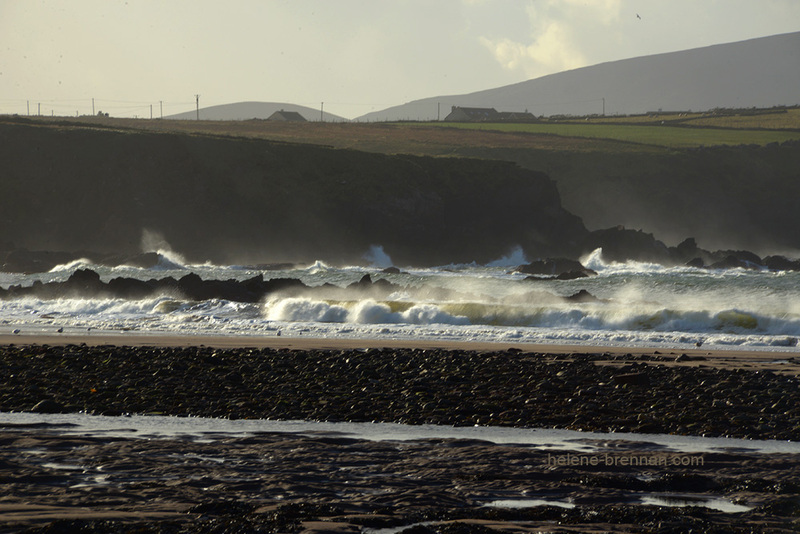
[137, 57]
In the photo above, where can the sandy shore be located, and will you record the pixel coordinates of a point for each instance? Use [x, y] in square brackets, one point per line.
[302, 483]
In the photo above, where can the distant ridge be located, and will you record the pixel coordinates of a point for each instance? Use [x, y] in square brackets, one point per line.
[242, 111]
[762, 72]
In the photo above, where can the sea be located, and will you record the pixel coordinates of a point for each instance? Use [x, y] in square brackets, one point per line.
[635, 304]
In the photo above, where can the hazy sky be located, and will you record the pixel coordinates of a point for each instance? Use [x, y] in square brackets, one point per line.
[356, 56]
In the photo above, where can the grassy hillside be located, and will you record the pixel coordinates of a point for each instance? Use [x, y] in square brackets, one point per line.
[752, 119]
[670, 131]
[593, 133]
[662, 135]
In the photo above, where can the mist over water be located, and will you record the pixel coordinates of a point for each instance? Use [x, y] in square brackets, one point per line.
[377, 257]
[634, 304]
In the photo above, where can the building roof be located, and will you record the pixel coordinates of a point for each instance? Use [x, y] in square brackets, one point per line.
[471, 114]
[459, 114]
[282, 115]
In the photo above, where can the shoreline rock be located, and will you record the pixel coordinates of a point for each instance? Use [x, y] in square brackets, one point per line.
[505, 388]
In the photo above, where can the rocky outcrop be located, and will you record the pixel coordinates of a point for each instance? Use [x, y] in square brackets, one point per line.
[736, 197]
[554, 267]
[85, 283]
[620, 244]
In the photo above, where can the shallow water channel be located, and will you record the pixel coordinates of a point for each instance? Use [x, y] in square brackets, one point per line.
[209, 429]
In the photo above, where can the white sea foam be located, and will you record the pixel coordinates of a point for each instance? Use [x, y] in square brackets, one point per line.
[169, 260]
[365, 311]
[81, 263]
[641, 304]
[514, 258]
[378, 257]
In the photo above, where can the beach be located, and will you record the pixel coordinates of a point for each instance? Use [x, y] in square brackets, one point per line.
[245, 327]
[298, 482]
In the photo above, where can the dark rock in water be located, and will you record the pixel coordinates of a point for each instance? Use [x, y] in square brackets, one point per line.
[582, 296]
[572, 275]
[254, 284]
[189, 281]
[391, 270]
[555, 266]
[86, 281]
[282, 284]
[743, 255]
[733, 261]
[687, 247]
[49, 406]
[129, 288]
[696, 262]
[688, 253]
[195, 288]
[781, 263]
[621, 245]
[367, 283]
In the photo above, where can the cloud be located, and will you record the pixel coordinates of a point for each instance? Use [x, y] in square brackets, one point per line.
[559, 36]
[552, 51]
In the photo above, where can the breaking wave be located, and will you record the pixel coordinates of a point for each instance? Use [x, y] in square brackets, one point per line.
[358, 312]
[636, 303]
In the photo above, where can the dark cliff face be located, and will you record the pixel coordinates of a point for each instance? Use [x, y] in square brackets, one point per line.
[739, 197]
[243, 200]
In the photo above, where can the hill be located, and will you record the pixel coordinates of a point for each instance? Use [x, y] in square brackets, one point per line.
[761, 72]
[242, 111]
[726, 197]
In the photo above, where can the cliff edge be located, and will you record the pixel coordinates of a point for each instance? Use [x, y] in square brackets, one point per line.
[236, 200]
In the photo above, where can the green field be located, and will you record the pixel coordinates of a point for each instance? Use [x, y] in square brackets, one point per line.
[658, 135]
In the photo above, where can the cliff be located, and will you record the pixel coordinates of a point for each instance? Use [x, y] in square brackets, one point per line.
[725, 196]
[236, 200]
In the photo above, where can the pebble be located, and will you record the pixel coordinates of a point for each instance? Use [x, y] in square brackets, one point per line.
[447, 387]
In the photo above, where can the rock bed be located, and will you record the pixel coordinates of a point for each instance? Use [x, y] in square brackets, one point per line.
[292, 483]
[505, 388]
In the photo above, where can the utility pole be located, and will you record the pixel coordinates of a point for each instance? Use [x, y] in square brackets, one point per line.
[438, 108]
[151, 111]
[321, 113]
[604, 106]
[39, 112]
[161, 103]
[29, 108]
[197, 100]
[93, 106]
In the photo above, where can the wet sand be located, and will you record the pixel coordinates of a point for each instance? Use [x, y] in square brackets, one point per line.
[293, 483]
[302, 483]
